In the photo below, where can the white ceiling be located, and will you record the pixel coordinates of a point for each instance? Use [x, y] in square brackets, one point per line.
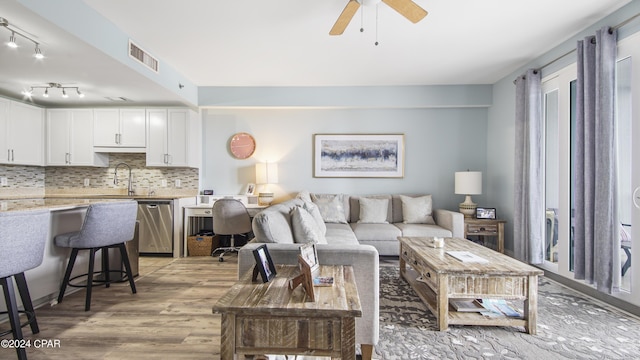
[286, 43]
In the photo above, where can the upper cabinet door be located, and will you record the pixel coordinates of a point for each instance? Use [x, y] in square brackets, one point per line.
[120, 128]
[26, 134]
[178, 137]
[106, 127]
[5, 153]
[157, 152]
[58, 123]
[133, 128]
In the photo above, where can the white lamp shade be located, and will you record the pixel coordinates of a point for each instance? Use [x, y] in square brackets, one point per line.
[468, 182]
[266, 173]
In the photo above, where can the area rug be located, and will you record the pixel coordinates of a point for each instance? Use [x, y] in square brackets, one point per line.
[570, 326]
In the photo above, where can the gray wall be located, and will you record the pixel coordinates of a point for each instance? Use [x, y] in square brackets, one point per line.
[438, 142]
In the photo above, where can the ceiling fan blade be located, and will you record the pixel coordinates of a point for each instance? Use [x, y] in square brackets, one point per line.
[345, 18]
[408, 9]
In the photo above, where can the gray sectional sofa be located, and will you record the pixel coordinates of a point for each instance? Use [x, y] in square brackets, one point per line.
[349, 231]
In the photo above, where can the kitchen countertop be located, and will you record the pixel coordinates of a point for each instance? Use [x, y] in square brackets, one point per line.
[46, 203]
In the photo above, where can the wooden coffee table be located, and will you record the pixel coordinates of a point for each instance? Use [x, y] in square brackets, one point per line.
[445, 277]
[268, 318]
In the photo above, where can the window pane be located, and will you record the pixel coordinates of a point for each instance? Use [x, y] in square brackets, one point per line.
[625, 189]
[552, 174]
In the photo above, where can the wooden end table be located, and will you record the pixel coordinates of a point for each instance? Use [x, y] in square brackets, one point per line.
[486, 227]
[268, 318]
[444, 277]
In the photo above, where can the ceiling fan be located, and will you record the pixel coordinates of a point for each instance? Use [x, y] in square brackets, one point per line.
[406, 8]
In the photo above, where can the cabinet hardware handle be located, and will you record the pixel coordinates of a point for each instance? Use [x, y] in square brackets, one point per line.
[12, 155]
[415, 262]
[8, 154]
[428, 274]
[67, 158]
[169, 159]
[207, 212]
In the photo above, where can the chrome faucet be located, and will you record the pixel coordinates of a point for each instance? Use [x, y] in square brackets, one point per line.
[115, 178]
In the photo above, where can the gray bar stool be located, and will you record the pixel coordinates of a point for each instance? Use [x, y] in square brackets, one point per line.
[22, 239]
[105, 226]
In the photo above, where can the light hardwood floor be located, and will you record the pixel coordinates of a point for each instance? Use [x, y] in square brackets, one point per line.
[169, 318]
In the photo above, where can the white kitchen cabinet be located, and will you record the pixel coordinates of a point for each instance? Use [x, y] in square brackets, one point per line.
[22, 136]
[119, 130]
[70, 139]
[173, 138]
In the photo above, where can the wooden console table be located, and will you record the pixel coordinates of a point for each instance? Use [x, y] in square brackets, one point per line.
[268, 318]
[445, 277]
[486, 227]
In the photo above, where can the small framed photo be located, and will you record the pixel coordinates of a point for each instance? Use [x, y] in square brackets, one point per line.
[310, 255]
[250, 189]
[485, 213]
[264, 264]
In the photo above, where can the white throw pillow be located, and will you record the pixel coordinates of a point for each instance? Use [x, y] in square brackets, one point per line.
[417, 210]
[305, 228]
[373, 211]
[331, 209]
[315, 212]
[304, 195]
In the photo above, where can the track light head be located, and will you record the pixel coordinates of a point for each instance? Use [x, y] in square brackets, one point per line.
[46, 92]
[64, 93]
[81, 95]
[27, 93]
[38, 54]
[12, 41]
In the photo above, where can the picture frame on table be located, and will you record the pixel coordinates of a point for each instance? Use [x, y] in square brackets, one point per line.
[485, 213]
[358, 155]
[264, 264]
[310, 254]
[250, 189]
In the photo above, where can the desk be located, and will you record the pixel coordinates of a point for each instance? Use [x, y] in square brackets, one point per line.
[194, 215]
[486, 227]
[268, 318]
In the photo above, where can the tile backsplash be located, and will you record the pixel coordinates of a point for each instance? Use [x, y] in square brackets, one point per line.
[36, 181]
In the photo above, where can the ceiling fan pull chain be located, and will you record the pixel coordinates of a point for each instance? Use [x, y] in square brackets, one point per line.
[361, 18]
[377, 24]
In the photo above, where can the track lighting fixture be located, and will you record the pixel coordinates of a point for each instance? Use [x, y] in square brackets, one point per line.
[46, 88]
[12, 39]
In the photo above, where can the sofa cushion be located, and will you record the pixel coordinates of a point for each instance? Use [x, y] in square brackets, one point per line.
[373, 211]
[273, 225]
[417, 210]
[423, 230]
[315, 212]
[343, 198]
[305, 228]
[340, 234]
[354, 206]
[331, 208]
[367, 232]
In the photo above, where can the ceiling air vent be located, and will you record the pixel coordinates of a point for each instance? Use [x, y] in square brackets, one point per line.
[143, 57]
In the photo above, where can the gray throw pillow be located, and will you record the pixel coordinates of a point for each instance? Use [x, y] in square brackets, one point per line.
[331, 209]
[373, 211]
[417, 210]
[305, 228]
[315, 212]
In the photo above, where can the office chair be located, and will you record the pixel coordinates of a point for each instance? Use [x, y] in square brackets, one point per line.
[230, 217]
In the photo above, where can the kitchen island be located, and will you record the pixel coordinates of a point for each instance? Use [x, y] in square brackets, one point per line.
[67, 215]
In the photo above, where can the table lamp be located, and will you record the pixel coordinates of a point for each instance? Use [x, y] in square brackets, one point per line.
[468, 183]
[266, 173]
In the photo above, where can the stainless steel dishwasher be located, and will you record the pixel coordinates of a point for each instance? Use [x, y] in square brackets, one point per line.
[156, 227]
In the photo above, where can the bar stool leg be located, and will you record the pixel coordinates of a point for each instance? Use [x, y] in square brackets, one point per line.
[105, 266]
[87, 302]
[12, 309]
[67, 274]
[127, 266]
[26, 302]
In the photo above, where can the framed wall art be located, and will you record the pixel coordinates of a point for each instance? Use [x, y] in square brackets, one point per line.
[358, 155]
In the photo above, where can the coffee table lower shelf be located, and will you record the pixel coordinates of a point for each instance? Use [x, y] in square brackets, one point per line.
[429, 297]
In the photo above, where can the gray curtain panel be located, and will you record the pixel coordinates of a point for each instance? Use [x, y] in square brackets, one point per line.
[529, 214]
[596, 225]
